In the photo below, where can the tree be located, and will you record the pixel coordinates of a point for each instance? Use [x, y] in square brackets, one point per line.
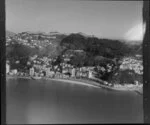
[104, 68]
[79, 59]
[18, 52]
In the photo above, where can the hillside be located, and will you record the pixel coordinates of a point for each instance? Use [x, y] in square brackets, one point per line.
[54, 44]
[95, 46]
[46, 43]
[9, 33]
[134, 42]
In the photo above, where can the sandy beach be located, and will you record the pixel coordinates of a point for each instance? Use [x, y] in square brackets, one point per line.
[136, 88]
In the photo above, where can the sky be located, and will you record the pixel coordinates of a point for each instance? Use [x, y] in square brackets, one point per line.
[104, 19]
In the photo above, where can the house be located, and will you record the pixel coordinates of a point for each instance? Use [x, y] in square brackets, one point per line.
[90, 75]
[47, 72]
[73, 72]
[31, 72]
[14, 71]
[7, 68]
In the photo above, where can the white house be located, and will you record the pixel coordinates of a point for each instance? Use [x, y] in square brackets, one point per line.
[7, 68]
[31, 71]
[14, 71]
[73, 73]
[90, 74]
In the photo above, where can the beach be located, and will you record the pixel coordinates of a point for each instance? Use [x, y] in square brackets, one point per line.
[130, 87]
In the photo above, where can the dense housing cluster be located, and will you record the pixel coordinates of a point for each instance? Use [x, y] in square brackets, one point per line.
[132, 63]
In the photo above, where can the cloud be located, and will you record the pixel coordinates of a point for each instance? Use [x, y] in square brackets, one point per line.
[136, 33]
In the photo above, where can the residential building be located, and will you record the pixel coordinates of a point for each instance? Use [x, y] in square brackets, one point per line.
[90, 74]
[31, 72]
[73, 73]
[48, 72]
[7, 68]
[14, 71]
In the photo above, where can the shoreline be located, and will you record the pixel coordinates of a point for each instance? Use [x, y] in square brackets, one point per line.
[16, 77]
[136, 88]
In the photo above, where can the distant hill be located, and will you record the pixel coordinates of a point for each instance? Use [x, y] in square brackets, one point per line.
[136, 48]
[96, 46]
[74, 41]
[43, 33]
[134, 42]
[48, 43]
[9, 33]
[91, 45]
[85, 35]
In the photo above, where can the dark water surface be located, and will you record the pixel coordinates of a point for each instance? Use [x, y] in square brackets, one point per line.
[43, 102]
